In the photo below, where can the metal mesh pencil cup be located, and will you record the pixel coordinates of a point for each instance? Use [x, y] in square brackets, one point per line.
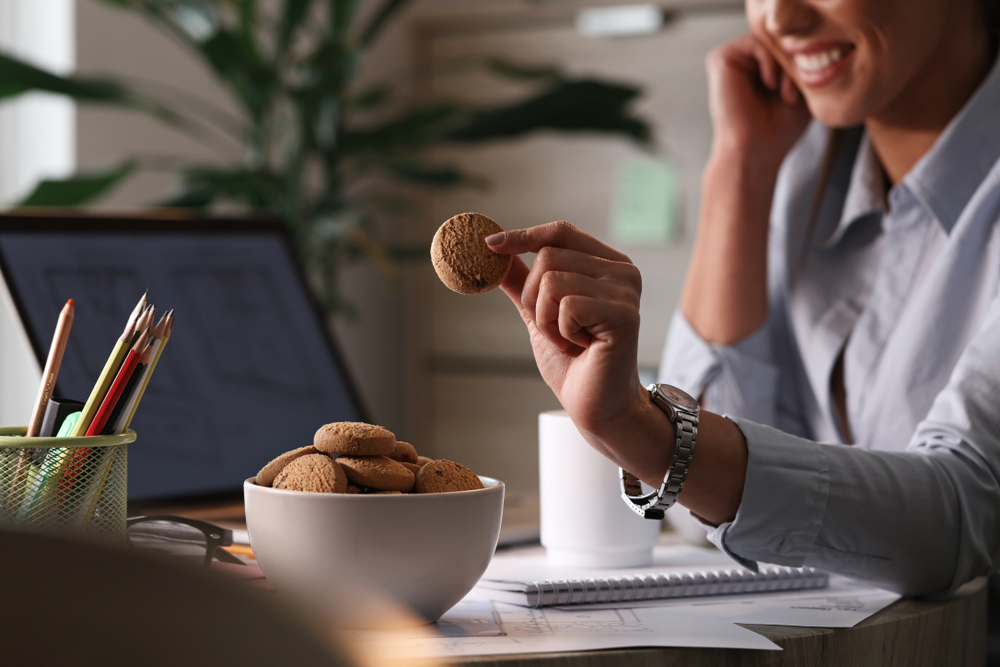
[65, 484]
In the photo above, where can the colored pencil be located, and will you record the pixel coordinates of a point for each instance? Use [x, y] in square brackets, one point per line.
[121, 410]
[168, 324]
[52, 364]
[13, 498]
[117, 386]
[111, 368]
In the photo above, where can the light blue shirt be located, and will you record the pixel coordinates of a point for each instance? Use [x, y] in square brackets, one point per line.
[907, 286]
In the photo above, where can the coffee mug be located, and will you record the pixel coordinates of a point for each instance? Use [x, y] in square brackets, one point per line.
[584, 521]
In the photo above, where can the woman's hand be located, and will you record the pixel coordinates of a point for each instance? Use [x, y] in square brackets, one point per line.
[580, 302]
[757, 112]
[758, 115]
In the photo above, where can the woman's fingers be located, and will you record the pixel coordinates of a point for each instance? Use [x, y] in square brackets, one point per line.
[559, 234]
[567, 310]
[551, 259]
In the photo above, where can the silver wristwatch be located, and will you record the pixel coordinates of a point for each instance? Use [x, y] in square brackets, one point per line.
[682, 410]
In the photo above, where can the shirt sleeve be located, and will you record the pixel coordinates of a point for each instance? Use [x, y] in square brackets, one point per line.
[921, 521]
[738, 379]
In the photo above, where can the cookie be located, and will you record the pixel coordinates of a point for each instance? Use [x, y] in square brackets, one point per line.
[405, 452]
[312, 472]
[377, 472]
[442, 476]
[353, 489]
[463, 261]
[354, 439]
[267, 474]
[423, 460]
[412, 467]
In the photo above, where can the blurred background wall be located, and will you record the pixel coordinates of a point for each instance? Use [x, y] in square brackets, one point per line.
[452, 374]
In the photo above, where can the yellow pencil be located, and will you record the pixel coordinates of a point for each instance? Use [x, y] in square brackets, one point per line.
[114, 362]
[162, 334]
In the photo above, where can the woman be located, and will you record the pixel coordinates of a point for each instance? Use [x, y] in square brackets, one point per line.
[843, 289]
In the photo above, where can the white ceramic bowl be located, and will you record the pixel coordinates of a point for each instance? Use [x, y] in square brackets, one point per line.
[358, 559]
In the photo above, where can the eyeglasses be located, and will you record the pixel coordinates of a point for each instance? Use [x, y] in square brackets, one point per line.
[179, 536]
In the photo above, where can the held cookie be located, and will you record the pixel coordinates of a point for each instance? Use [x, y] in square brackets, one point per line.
[463, 261]
[312, 472]
[442, 476]
[377, 472]
[354, 439]
[267, 474]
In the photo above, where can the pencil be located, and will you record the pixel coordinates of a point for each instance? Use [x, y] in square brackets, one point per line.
[111, 368]
[52, 364]
[124, 405]
[167, 324]
[49, 375]
[117, 386]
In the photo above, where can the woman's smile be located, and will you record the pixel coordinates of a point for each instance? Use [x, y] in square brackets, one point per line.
[818, 64]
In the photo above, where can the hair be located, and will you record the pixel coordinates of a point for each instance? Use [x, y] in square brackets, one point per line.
[991, 15]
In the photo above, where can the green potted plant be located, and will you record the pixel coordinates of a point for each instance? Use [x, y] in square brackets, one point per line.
[307, 125]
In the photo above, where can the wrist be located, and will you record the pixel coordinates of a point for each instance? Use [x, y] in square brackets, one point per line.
[640, 440]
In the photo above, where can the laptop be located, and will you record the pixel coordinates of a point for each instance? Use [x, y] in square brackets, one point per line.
[250, 370]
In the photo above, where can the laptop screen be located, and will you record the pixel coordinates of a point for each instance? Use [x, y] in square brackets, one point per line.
[249, 371]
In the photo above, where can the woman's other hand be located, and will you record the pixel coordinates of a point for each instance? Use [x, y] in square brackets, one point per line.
[755, 106]
[757, 116]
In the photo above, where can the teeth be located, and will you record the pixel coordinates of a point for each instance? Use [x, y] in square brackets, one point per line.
[814, 62]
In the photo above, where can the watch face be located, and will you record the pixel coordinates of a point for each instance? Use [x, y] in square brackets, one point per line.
[678, 397]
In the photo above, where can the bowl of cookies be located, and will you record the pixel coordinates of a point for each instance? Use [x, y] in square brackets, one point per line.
[361, 528]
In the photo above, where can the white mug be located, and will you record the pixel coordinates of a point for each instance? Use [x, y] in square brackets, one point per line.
[585, 522]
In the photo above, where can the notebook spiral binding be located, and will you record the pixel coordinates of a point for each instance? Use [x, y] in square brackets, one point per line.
[673, 585]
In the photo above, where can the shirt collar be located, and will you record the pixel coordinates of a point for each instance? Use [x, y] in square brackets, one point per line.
[865, 191]
[949, 174]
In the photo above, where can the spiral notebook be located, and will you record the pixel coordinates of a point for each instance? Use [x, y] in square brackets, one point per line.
[648, 584]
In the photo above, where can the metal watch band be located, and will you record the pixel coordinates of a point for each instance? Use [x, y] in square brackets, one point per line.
[653, 505]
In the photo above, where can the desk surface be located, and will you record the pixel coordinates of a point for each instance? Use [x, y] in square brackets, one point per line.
[913, 633]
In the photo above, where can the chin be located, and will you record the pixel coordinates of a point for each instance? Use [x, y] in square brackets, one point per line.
[834, 111]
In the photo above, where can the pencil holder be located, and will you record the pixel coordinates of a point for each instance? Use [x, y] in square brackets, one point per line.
[65, 484]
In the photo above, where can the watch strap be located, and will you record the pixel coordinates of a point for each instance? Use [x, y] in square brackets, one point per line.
[653, 505]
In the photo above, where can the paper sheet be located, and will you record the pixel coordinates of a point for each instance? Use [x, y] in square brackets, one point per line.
[481, 627]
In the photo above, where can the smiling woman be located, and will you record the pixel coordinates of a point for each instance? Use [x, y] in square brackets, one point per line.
[844, 289]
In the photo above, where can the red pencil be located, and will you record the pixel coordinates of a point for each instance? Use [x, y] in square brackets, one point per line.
[118, 386]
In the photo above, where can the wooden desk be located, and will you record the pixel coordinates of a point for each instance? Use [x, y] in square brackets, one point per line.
[910, 633]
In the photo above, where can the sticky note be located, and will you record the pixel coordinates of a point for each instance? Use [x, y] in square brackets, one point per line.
[646, 206]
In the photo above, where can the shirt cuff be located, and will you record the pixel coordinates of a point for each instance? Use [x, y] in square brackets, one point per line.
[768, 528]
[736, 379]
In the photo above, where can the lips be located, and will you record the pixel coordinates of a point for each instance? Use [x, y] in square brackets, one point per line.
[819, 66]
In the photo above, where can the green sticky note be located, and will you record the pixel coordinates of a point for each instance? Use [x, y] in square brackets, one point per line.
[647, 203]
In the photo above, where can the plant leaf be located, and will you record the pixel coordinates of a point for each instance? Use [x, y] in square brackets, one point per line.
[79, 189]
[438, 177]
[414, 128]
[576, 106]
[523, 72]
[291, 17]
[386, 12]
[17, 77]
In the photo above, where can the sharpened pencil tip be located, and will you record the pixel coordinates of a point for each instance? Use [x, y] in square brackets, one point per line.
[71, 304]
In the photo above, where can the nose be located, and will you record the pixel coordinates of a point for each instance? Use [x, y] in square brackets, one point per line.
[784, 17]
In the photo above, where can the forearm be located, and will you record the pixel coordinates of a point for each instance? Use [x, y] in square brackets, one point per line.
[725, 292]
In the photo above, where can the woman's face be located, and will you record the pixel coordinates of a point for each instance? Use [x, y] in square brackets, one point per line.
[857, 59]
